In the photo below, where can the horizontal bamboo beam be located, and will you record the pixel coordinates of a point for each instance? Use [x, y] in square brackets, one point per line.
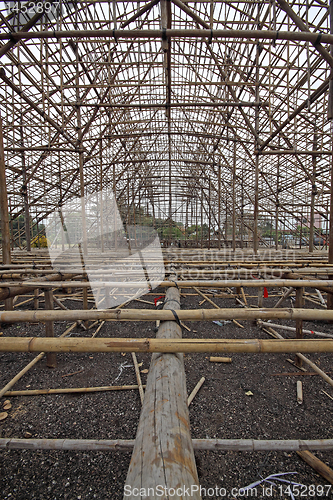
[164, 105]
[293, 152]
[35, 344]
[172, 33]
[20, 288]
[68, 390]
[164, 315]
[198, 444]
[6, 287]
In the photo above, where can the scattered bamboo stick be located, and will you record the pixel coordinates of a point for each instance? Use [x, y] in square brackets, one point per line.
[295, 374]
[37, 392]
[214, 359]
[299, 392]
[284, 296]
[317, 465]
[98, 329]
[309, 299]
[321, 298]
[327, 394]
[195, 391]
[138, 377]
[308, 362]
[293, 329]
[215, 305]
[71, 374]
[243, 295]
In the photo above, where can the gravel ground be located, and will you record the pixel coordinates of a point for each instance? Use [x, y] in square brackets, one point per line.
[221, 409]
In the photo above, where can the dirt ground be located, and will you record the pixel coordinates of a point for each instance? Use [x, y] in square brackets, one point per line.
[221, 409]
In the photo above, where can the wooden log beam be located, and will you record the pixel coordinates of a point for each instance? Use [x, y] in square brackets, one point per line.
[171, 345]
[163, 451]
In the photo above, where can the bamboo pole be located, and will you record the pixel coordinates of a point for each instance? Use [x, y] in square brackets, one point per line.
[29, 365]
[51, 359]
[69, 390]
[317, 465]
[198, 444]
[298, 280]
[138, 377]
[284, 296]
[165, 315]
[35, 344]
[306, 360]
[5, 234]
[195, 391]
[293, 329]
[26, 286]
[213, 303]
[170, 33]
[299, 322]
[4, 216]
[163, 451]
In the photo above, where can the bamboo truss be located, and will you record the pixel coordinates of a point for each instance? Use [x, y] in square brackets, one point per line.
[234, 92]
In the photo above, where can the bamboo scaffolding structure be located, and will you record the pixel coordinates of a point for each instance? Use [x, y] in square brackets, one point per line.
[209, 122]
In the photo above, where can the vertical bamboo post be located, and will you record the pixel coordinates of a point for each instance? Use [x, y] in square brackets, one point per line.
[24, 192]
[163, 451]
[36, 300]
[51, 357]
[299, 323]
[256, 145]
[260, 296]
[101, 205]
[234, 199]
[219, 205]
[5, 233]
[209, 211]
[330, 116]
[313, 191]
